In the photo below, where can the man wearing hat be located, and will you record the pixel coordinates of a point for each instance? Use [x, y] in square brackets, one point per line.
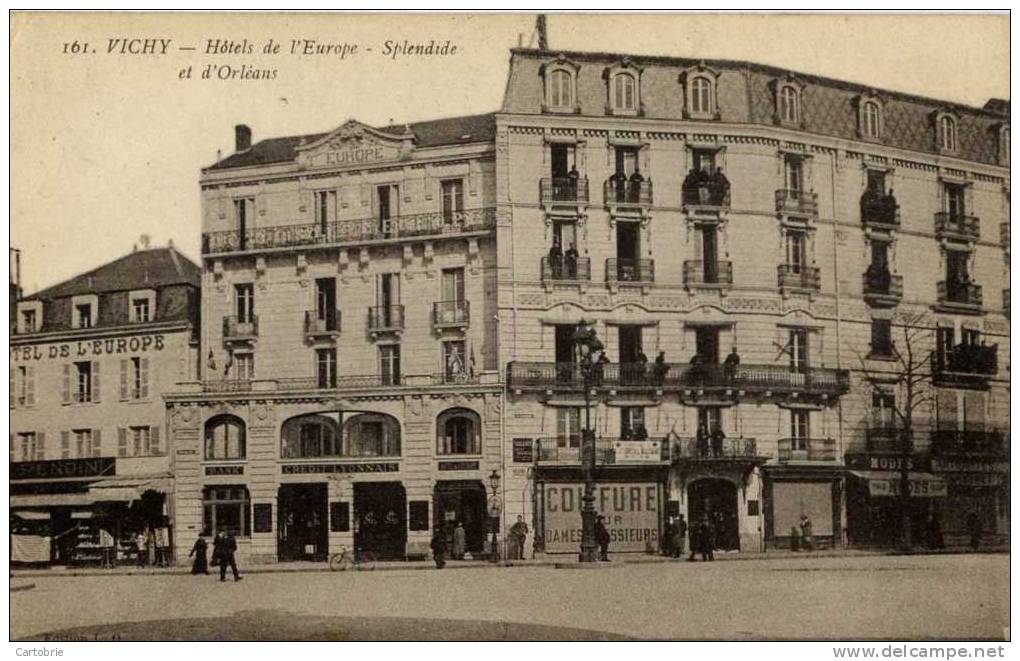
[602, 537]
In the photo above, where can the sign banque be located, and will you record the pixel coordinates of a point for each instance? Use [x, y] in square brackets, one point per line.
[83, 348]
[631, 512]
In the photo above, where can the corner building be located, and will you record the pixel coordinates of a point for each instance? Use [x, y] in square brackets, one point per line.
[773, 234]
[90, 360]
[349, 394]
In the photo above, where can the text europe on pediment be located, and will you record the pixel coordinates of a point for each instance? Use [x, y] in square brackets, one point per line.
[353, 145]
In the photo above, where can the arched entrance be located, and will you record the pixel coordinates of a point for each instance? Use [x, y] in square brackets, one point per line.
[715, 498]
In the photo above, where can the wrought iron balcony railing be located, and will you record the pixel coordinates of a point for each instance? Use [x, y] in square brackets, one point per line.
[793, 276]
[791, 200]
[706, 195]
[630, 270]
[883, 286]
[240, 328]
[577, 269]
[564, 190]
[705, 448]
[879, 209]
[1004, 235]
[957, 226]
[386, 318]
[679, 376]
[806, 449]
[451, 313]
[946, 442]
[621, 192]
[697, 272]
[436, 223]
[322, 322]
[958, 293]
[608, 451]
[967, 359]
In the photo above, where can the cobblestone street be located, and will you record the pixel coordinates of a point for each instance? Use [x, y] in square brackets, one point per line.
[843, 598]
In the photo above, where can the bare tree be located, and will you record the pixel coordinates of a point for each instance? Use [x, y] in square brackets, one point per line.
[911, 382]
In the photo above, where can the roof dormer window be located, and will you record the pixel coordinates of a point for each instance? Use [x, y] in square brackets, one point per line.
[560, 77]
[699, 84]
[869, 117]
[946, 131]
[623, 87]
[84, 311]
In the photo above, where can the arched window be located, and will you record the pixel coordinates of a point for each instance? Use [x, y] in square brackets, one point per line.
[701, 95]
[309, 437]
[789, 104]
[624, 92]
[224, 438]
[371, 435]
[870, 120]
[947, 133]
[458, 431]
[561, 90]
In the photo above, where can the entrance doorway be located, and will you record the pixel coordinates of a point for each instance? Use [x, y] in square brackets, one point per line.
[302, 533]
[380, 510]
[462, 501]
[717, 499]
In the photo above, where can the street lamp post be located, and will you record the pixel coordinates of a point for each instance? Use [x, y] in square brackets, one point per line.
[495, 509]
[589, 351]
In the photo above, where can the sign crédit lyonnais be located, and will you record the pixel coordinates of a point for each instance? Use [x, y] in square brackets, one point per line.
[631, 512]
[84, 348]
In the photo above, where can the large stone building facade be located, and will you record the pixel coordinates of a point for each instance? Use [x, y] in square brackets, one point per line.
[349, 394]
[798, 249]
[90, 360]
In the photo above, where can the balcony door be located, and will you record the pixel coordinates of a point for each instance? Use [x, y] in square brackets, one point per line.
[799, 431]
[955, 200]
[325, 306]
[244, 214]
[629, 343]
[794, 174]
[452, 200]
[883, 410]
[560, 159]
[710, 253]
[564, 343]
[565, 234]
[628, 250]
[709, 419]
[568, 427]
[956, 266]
[451, 307]
[706, 340]
[796, 251]
[626, 160]
[387, 202]
[798, 349]
[244, 302]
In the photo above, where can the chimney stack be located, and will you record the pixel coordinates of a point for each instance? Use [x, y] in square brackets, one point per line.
[242, 137]
[543, 38]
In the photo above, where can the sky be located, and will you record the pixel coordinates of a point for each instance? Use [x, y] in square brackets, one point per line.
[107, 146]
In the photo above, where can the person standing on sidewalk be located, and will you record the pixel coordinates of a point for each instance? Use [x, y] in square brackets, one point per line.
[679, 536]
[706, 539]
[519, 533]
[602, 537]
[224, 548]
[439, 548]
[201, 564]
[459, 541]
[807, 533]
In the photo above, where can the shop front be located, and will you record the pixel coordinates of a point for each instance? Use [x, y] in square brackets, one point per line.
[875, 515]
[462, 502]
[977, 489]
[303, 532]
[79, 512]
[380, 525]
[794, 493]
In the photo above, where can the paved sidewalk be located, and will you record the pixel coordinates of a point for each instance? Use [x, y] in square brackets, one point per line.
[542, 561]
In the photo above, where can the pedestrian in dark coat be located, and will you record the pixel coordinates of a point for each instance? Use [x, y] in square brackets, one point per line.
[706, 539]
[224, 549]
[694, 538]
[602, 537]
[439, 549]
[679, 536]
[200, 565]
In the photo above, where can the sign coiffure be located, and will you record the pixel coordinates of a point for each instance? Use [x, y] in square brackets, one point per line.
[631, 512]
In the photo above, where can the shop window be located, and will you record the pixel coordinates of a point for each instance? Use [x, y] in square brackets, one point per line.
[226, 509]
[224, 438]
[309, 437]
[458, 431]
[371, 435]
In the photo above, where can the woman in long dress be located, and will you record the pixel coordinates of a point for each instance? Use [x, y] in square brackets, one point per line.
[200, 564]
[459, 542]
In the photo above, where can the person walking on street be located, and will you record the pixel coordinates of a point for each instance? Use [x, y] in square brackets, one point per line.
[201, 564]
[459, 541]
[807, 533]
[602, 537]
[224, 549]
[439, 548]
[679, 536]
[519, 533]
[706, 537]
[974, 530]
[695, 540]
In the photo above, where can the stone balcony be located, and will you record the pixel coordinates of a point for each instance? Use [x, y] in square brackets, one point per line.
[796, 202]
[879, 211]
[708, 199]
[626, 197]
[965, 366]
[882, 290]
[803, 279]
[965, 297]
[563, 191]
[564, 269]
[385, 319]
[630, 271]
[957, 227]
[566, 451]
[708, 275]
[322, 325]
[451, 314]
[806, 450]
[240, 329]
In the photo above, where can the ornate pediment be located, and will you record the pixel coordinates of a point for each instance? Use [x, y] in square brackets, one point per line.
[354, 144]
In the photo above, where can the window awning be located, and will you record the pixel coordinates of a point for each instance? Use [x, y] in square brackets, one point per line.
[53, 500]
[127, 488]
[31, 515]
[887, 483]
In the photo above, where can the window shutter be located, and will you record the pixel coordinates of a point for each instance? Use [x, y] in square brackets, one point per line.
[65, 445]
[11, 391]
[95, 381]
[122, 442]
[125, 364]
[30, 385]
[144, 378]
[12, 448]
[97, 442]
[40, 446]
[154, 440]
[67, 384]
